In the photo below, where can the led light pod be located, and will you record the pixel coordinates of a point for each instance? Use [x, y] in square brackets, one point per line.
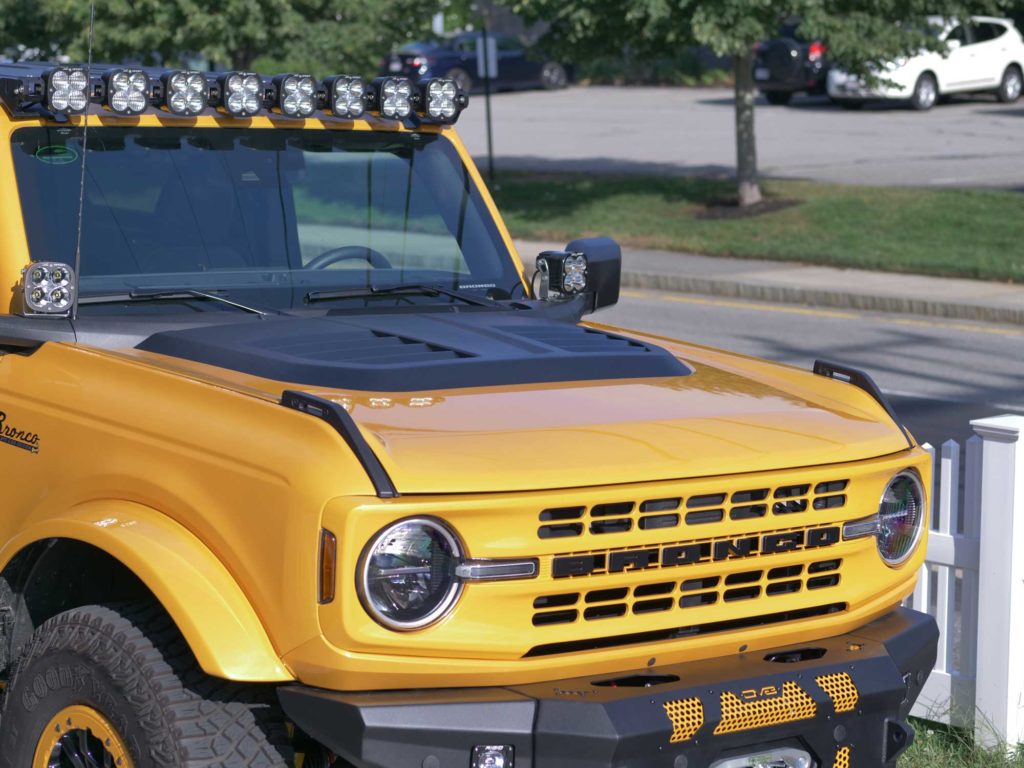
[393, 97]
[67, 90]
[296, 95]
[186, 93]
[562, 272]
[346, 96]
[128, 91]
[440, 101]
[241, 94]
[49, 288]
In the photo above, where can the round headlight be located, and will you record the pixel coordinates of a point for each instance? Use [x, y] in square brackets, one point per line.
[901, 516]
[407, 576]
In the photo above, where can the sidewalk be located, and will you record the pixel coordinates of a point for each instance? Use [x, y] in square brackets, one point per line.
[785, 282]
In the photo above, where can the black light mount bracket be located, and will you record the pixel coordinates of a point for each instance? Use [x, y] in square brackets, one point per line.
[861, 380]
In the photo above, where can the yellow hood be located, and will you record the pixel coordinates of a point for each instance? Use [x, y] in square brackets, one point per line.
[731, 415]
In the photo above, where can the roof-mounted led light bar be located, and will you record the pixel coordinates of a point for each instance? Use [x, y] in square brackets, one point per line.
[68, 90]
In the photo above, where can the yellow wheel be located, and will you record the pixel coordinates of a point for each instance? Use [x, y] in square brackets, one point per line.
[79, 736]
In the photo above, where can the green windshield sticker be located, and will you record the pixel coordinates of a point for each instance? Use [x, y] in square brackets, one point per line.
[56, 155]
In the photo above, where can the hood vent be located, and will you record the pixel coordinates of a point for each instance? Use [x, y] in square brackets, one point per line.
[363, 346]
[417, 352]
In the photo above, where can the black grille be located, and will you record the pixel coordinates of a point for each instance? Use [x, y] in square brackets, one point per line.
[707, 590]
[657, 514]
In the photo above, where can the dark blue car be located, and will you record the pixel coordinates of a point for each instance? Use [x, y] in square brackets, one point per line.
[456, 57]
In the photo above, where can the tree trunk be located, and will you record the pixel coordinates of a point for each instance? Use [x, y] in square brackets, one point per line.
[746, 144]
[241, 59]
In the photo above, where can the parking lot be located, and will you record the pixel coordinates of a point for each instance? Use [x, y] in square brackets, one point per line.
[973, 141]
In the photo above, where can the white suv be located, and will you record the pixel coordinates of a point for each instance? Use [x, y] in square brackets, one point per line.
[984, 54]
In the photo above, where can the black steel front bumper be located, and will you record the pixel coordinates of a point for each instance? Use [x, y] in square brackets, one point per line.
[843, 700]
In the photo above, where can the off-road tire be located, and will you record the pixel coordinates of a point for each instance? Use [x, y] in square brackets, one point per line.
[778, 98]
[1010, 85]
[553, 76]
[926, 92]
[462, 79]
[132, 666]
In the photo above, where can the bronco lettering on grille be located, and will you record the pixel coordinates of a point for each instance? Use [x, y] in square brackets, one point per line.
[672, 555]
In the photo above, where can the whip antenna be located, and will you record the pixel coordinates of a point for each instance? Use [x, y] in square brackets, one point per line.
[85, 154]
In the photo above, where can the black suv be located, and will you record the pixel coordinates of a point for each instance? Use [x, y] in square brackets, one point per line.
[789, 64]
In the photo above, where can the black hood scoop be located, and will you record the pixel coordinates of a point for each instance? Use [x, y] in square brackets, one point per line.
[404, 352]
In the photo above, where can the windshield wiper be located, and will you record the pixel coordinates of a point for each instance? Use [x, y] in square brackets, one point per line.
[407, 289]
[175, 295]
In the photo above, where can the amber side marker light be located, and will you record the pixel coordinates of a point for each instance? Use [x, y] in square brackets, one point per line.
[328, 565]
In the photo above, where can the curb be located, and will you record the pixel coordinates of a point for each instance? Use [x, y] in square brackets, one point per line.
[782, 294]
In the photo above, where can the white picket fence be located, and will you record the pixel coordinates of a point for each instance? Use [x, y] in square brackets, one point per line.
[973, 583]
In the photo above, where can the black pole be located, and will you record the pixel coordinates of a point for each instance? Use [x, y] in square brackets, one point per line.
[487, 103]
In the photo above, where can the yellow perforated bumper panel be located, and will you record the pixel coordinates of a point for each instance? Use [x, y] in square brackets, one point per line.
[687, 716]
[792, 704]
[840, 688]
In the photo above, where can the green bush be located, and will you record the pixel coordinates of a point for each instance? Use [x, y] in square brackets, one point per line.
[685, 68]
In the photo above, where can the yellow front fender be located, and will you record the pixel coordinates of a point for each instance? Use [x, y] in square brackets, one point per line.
[194, 587]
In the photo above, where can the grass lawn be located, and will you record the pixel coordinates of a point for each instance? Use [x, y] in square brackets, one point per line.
[940, 747]
[965, 233]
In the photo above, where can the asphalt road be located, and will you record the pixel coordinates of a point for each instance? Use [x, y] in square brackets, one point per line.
[938, 374]
[973, 141]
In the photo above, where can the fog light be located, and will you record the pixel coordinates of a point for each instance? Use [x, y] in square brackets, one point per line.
[127, 91]
[49, 288]
[493, 756]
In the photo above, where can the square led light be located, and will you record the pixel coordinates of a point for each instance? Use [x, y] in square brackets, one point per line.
[440, 101]
[346, 95]
[49, 288]
[128, 91]
[296, 95]
[562, 271]
[241, 94]
[394, 97]
[67, 90]
[186, 93]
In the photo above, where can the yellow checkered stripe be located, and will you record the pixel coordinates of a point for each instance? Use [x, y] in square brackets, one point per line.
[842, 758]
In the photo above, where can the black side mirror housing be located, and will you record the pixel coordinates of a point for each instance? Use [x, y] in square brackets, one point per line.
[604, 269]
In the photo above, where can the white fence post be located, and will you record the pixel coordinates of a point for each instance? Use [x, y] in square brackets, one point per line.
[1000, 632]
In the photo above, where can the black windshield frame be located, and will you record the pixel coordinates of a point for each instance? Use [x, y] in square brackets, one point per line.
[266, 181]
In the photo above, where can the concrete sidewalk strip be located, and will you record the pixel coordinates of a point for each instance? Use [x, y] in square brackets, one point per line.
[789, 283]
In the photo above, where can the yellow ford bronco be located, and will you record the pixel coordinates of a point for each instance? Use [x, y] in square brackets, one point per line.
[302, 466]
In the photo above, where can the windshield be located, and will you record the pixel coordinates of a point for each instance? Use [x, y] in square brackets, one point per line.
[265, 214]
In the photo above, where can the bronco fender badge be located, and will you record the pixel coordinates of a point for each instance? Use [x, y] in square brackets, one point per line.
[19, 438]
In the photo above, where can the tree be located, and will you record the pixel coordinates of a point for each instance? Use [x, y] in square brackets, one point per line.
[348, 36]
[860, 35]
[316, 36]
